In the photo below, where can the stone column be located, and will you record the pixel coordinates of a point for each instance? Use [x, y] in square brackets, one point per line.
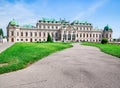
[67, 36]
[71, 36]
[61, 36]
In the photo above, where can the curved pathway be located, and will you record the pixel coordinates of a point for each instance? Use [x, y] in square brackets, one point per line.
[76, 67]
[4, 46]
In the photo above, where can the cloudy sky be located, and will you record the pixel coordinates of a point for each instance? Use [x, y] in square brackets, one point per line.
[98, 12]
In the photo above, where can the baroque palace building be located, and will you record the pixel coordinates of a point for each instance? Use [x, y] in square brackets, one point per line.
[61, 30]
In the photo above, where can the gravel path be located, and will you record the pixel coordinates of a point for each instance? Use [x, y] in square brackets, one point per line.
[76, 67]
[4, 46]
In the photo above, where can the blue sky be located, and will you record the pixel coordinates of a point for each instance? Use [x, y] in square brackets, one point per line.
[98, 12]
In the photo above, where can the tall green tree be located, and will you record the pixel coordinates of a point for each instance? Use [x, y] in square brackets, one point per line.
[1, 32]
[49, 39]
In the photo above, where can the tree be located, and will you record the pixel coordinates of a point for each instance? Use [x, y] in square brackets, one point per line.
[49, 39]
[104, 41]
[1, 32]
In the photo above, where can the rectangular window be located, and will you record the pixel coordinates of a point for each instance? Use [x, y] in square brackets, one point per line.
[21, 33]
[44, 34]
[90, 36]
[99, 35]
[26, 34]
[17, 33]
[35, 33]
[39, 34]
[30, 33]
[12, 33]
[96, 35]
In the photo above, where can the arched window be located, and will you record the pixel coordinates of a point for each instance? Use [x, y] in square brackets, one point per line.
[110, 35]
[90, 35]
[52, 34]
[64, 36]
[56, 34]
[87, 35]
[84, 35]
[80, 35]
[73, 37]
[100, 36]
[31, 40]
[69, 36]
[12, 40]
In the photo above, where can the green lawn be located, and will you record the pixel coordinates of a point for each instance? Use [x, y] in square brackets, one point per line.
[112, 49]
[21, 55]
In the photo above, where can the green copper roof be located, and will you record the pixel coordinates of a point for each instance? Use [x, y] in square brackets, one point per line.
[28, 26]
[107, 27]
[75, 22]
[63, 21]
[83, 22]
[13, 23]
[79, 22]
[48, 20]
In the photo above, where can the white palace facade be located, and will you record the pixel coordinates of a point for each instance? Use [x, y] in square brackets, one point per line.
[60, 30]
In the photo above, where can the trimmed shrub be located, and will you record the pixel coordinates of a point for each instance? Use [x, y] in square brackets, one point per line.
[104, 41]
[49, 39]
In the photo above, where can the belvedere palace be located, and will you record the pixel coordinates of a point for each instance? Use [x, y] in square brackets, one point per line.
[59, 30]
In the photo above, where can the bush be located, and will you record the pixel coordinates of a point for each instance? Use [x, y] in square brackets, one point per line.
[104, 41]
[49, 39]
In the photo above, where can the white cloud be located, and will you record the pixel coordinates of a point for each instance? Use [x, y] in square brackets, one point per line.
[18, 11]
[90, 10]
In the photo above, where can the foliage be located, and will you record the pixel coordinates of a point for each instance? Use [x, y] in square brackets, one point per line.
[1, 32]
[49, 39]
[113, 49]
[114, 40]
[21, 55]
[104, 41]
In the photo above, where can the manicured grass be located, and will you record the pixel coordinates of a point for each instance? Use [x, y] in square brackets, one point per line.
[112, 49]
[21, 55]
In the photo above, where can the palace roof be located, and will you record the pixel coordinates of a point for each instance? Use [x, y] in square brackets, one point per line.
[107, 28]
[13, 23]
